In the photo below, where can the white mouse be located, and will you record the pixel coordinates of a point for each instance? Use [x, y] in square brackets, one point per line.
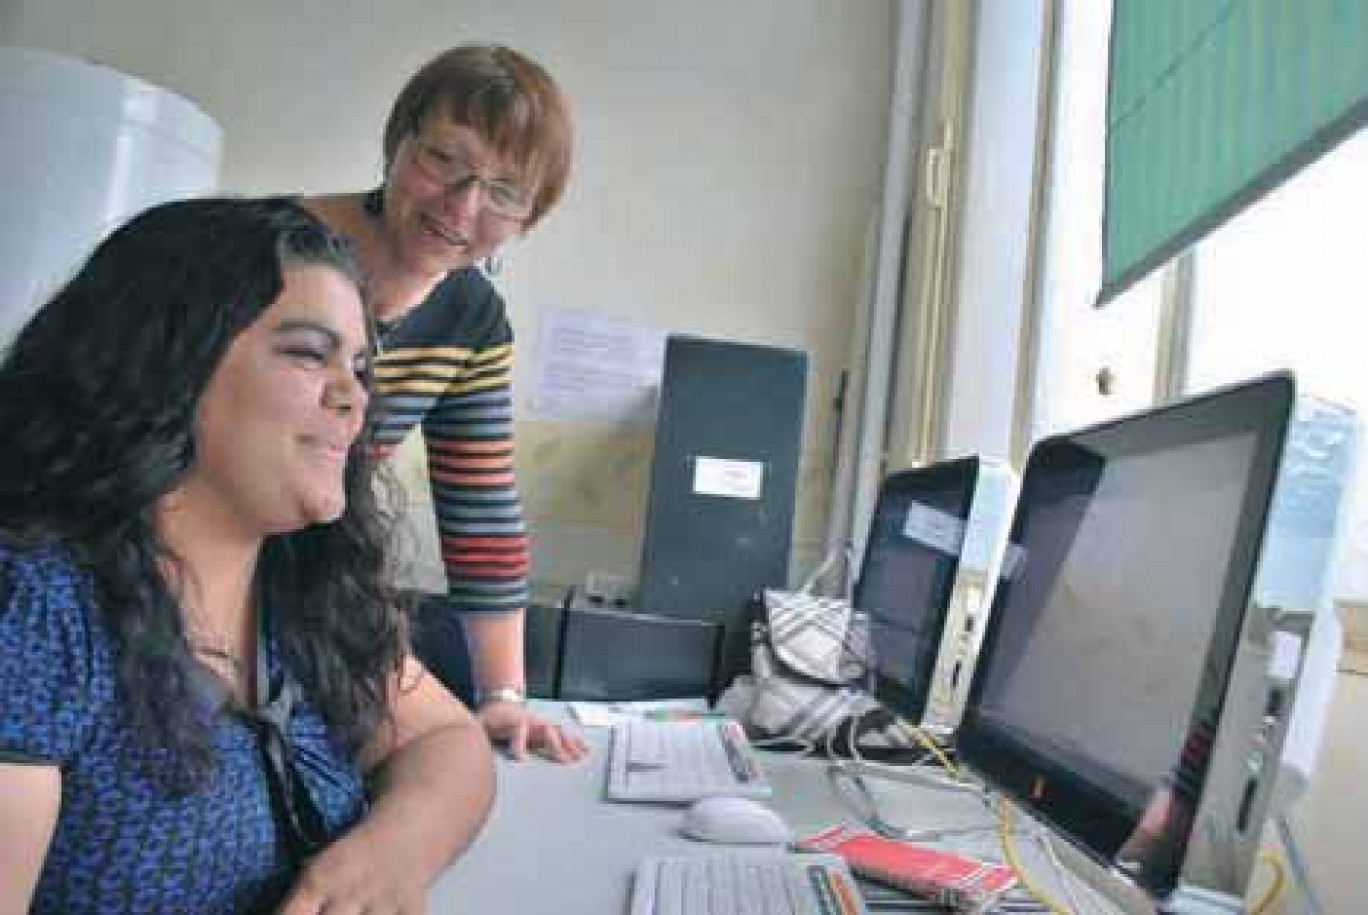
[735, 821]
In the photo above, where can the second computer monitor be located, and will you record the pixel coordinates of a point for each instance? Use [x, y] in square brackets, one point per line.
[930, 562]
[1127, 691]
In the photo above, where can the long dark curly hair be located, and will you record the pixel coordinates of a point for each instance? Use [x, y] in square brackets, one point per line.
[98, 395]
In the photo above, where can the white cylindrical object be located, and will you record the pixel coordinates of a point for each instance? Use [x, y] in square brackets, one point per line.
[85, 148]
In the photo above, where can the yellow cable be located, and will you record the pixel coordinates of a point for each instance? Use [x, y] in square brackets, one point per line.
[1004, 819]
[1275, 888]
[1009, 852]
[931, 746]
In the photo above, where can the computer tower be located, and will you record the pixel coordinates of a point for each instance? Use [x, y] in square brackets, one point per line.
[719, 521]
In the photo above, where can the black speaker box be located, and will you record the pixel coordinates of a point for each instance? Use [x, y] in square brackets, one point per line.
[541, 643]
[615, 655]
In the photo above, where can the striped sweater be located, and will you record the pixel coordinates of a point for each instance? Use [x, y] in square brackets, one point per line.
[449, 365]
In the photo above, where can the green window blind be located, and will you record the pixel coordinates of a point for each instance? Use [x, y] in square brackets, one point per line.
[1212, 103]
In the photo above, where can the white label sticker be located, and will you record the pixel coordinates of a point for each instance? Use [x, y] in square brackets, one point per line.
[934, 528]
[732, 479]
[1286, 658]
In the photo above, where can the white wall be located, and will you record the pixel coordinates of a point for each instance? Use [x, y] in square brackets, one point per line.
[728, 155]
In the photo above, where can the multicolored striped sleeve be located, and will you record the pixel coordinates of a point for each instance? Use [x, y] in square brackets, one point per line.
[462, 395]
[448, 365]
[469, 435]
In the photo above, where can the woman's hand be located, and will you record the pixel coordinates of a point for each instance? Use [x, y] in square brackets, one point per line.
[353, 876]
[522, 729]
[431, 776]
[496, 656]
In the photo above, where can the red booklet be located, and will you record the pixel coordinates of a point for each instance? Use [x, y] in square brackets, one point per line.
[946, 878]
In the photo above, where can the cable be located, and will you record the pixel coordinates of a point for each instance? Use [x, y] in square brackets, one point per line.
[1062, 874]
[1275, 888]
[1009, 853]
[921, 737]
[850, 788]
[860, 800]
[829, 743]
[804, 747]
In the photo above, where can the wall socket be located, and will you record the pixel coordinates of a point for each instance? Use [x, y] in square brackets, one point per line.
[609, 588]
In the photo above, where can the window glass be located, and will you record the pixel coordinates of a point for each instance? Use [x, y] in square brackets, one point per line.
[1091, 363]
[1285, 285]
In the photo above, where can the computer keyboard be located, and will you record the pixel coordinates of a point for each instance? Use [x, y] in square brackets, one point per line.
[682, 761]
[741, 883]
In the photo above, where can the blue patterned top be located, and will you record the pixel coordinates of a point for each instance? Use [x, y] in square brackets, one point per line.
[122, 843]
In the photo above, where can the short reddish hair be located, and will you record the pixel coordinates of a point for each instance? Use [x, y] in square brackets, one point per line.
[509, 100]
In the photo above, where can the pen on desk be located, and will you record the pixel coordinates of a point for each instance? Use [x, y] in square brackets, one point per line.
[732, 740]
[680, 715]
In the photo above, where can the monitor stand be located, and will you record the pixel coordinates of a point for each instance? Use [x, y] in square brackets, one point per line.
[1191, 901]
[1297, 868]
[1197, 901]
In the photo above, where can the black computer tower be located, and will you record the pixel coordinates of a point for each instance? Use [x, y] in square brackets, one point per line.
[719, 522]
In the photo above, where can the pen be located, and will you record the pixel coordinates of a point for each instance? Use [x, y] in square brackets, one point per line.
[680, 715]
[741, 765]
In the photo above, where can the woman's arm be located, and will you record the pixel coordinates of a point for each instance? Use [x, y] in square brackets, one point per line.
[29, 797]
[432, 775]
[496, 653]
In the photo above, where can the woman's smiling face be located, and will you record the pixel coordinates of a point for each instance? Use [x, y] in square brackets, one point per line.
[283, 408]
[450, 200]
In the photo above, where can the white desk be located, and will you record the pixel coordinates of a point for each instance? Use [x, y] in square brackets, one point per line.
[554, 846]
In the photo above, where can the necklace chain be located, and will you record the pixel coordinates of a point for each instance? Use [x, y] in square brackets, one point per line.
[219, 654]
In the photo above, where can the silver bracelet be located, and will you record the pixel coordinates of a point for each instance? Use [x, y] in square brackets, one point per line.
[484, 695]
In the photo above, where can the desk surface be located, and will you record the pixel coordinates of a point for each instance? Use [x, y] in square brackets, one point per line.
[554, 845]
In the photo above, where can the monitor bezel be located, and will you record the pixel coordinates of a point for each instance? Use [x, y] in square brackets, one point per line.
[909, 701]
[1085, 813]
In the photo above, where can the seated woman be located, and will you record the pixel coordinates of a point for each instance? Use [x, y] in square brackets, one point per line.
[208, 704]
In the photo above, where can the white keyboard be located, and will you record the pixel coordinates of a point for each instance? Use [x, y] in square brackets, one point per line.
[682, 761]
[773, 883]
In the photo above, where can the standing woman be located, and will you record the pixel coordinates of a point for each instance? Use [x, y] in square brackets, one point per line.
[208, 705]
[477, 150]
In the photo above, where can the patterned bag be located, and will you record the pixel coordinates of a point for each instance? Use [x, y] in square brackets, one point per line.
[808, 665]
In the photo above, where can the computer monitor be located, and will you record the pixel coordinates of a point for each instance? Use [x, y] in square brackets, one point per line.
[1127, 691]
[932, 555]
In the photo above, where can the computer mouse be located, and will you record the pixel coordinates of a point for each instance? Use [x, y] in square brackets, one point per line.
[735, 821]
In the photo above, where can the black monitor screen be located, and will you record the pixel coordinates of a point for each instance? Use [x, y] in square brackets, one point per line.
[905, 584]
[1114, 629]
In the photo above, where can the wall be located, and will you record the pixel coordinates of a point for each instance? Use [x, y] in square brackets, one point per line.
[1329, 820]
[728, 157]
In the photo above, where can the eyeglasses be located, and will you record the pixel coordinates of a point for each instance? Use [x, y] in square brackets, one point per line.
[449, 167]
